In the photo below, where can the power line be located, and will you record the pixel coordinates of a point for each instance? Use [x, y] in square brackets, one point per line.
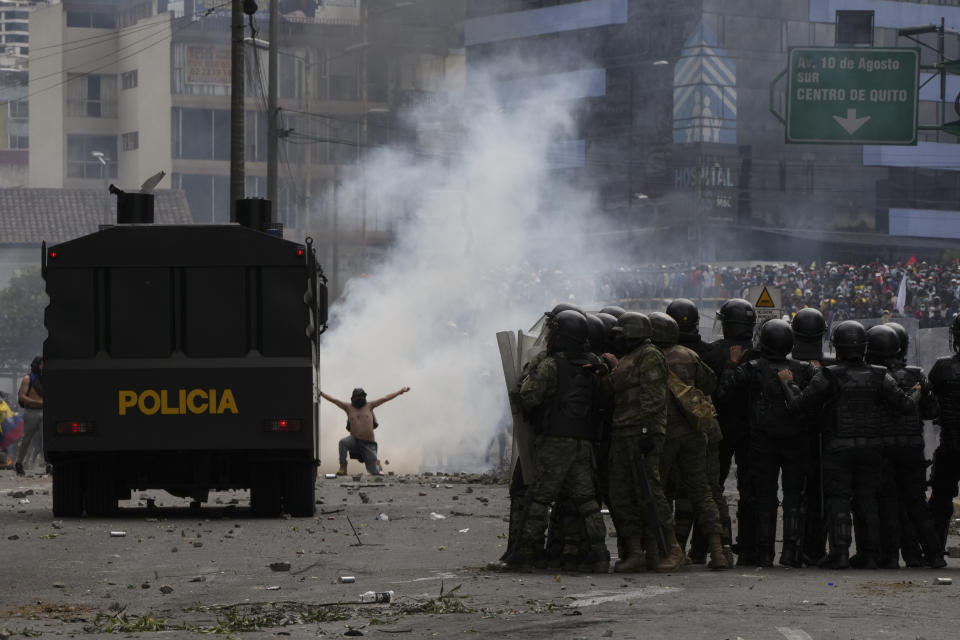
[131, 29]
[109, 64]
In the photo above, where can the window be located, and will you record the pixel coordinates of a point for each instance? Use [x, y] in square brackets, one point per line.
[91, 96]
[16, 37]
[81, 163]
[16, 15]
[19, 109]
[130, 141]
[209, 196]
[19, 142]
[291, 77]
[201, 134]
[91, 20]
[17, 26]
[128, 80]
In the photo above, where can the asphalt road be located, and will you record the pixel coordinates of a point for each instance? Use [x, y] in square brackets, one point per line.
[189, 574]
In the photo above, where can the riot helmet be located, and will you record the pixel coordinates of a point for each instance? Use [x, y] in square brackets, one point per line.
[564, 306]
[664, 329]
[775, 339]
[614, 310]
[882, 343]
[632, 329]
[903, 337]
[955, 334]
[737, 317]
[596, 333]
[358, 398]
[849, 340]
[808, 324]
[685, 313]
[609, 322]
[567, 331]
[808, 328]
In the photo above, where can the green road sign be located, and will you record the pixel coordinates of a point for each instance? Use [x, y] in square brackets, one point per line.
[852, 96]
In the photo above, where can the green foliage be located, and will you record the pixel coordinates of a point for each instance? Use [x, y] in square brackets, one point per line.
[21, 319]
[448, 602]
[121, 622]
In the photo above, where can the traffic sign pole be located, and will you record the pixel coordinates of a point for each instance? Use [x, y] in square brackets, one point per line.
[852, 96]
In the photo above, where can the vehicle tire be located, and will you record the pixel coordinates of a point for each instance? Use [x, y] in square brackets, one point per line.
[265, 496]
[67, 490]
[100, 494]
[300, 490]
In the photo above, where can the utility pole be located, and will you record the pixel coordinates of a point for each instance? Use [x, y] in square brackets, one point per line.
[236, 107]
[273, 110]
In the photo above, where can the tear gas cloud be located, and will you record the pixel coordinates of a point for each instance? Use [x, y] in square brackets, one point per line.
[486, 240]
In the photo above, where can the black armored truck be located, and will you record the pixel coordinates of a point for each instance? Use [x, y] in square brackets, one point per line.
[182, 358]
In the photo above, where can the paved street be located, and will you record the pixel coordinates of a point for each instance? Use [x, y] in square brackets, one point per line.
[177, 573]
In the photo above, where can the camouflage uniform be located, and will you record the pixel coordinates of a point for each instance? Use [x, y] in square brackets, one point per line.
[563, 454]
[639, 386]
[686, 448]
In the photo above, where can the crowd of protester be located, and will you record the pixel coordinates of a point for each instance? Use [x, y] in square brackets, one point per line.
[840, 291]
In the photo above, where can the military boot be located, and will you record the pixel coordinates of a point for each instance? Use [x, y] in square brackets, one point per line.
[718, 559]
[342, 471]
[683, 525]
[889, 560]
[652, 552]
[766, 538]
[633, 558]
[597, 561]
[790, 554]
[932, 551]
[698, 547]
[841, 535]
[675, 558]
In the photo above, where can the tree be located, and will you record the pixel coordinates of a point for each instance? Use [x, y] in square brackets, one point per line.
[21, 319]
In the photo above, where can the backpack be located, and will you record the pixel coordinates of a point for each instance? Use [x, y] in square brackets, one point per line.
[694, 404]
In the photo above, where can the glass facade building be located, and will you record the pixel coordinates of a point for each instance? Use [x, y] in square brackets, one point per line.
[673, 105]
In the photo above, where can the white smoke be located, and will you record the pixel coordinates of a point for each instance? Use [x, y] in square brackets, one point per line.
[488, 237]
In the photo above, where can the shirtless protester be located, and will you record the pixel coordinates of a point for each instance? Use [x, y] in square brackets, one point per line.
[360, 443]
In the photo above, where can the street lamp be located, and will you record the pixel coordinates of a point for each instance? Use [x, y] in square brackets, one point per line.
[104, 161]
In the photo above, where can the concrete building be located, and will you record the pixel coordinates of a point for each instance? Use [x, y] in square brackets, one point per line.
[676, 135]
[127, 88]
[93, 119]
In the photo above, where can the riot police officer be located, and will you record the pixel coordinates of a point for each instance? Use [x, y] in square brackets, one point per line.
[638, 429]
[687, 317]
[904, 467]
[852, 392]
[737, 319]
[564, 390]
[685, 448]
[567, 546]
[778, 438]
[945, 380]
[809, 328]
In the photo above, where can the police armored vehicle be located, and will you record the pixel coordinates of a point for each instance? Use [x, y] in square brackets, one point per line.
[182, 358]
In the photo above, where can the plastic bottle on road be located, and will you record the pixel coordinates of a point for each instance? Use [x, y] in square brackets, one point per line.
[385, 597]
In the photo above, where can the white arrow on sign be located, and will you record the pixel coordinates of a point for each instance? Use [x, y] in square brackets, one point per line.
[851, 123]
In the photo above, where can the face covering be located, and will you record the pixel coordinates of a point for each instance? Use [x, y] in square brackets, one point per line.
[359, 398]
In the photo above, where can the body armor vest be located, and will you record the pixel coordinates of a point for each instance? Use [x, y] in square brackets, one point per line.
[770, 415]
[856, 405]
[945, 380]
[898, 426]
[571, 410]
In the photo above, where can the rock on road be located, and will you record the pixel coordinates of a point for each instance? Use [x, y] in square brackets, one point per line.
[173, 572]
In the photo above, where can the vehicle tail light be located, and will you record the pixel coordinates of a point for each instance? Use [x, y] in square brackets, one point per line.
[73, 427]
[282, 424]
